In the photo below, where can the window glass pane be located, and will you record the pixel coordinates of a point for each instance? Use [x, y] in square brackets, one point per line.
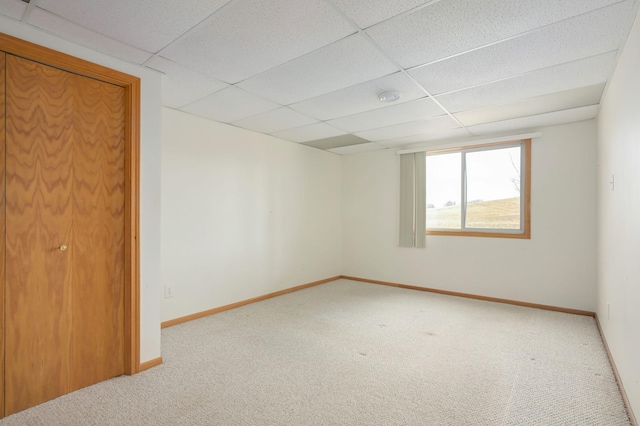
[493, 189]
[444, 180]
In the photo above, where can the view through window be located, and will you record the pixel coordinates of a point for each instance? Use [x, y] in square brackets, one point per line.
[478, 189]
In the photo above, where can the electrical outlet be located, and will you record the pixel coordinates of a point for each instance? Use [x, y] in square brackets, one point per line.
[612, 182]
[168, 292]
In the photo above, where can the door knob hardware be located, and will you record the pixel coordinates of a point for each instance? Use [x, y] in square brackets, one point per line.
[64, 247]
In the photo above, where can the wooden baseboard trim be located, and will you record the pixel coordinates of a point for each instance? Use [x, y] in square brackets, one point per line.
[474, 296]
[625, 399]
[150, 364]
[208, 312]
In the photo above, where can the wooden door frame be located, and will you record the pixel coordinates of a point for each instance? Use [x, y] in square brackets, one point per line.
[131, 85]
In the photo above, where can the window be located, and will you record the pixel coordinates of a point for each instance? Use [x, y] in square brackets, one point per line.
[480, 190]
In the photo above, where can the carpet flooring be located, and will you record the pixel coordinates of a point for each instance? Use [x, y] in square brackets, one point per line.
[351, 353]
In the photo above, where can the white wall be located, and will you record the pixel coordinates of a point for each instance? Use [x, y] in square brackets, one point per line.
[555, 267]
[243, 214]
[150, 287]
[619, 216]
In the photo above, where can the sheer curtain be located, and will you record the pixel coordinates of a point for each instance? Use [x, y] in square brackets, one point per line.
[413, 205]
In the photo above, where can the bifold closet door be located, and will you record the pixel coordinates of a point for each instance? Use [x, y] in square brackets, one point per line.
[64, 232]
[39, 140]
[98, 233]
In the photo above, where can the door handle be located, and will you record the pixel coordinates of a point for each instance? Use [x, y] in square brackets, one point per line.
[63, 247]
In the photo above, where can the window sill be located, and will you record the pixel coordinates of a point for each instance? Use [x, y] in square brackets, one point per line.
[522, 236]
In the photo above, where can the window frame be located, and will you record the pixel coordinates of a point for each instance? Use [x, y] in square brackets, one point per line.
[525, 196]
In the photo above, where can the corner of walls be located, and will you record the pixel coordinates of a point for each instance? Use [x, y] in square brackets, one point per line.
[149, 173]
[618, 212]
[243, 214]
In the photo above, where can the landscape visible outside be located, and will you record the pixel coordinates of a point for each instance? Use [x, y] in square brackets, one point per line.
[497, 214]
[492, 189]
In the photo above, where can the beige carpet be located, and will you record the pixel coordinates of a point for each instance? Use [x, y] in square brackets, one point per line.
[348, 353]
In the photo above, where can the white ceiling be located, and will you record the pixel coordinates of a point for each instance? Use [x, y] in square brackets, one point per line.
[308, 70]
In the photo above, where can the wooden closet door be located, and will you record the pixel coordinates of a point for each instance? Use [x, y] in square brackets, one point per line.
[65, 186]
[98, 233]
[39, 145]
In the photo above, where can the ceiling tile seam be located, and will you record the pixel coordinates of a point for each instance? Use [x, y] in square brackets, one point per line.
[393, 61]
[179, 108]
[391, 18]
[522, 74]
[30, 9]
[212, 15]
[292, 60]
[381, 147]
[534, 115]
[409, 122]
[431, 117]
[381, 141]
[280, 106]
[189, 70]
[636, 16]
[159, 53]
[248, 129]
[306, 125]
[512, 37]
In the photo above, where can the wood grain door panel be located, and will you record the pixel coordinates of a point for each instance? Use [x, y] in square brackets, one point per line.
[39, 143]
[65, 185]
[98, 233]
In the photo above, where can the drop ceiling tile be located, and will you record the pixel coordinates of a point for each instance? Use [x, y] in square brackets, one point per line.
[535, 121]
[354, 149]
[77, 34]
[13, 8]
[342, 64]
[309, 133]
[421, 139]
[422, 127]
[580, 37]
[181, 86]
[275, 120]
[255, 35]
[572, 75]
[228, 105]
[559, 101]
[359, 98]
[146, 24]
[365, 13]
[450, 27]
[336, 142]
[394, 114]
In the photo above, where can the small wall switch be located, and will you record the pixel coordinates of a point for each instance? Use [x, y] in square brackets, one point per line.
[612, 182]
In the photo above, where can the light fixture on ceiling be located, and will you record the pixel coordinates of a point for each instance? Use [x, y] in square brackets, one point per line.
[389, 95]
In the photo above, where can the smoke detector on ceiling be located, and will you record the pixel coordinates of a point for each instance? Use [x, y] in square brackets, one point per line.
[389, 95]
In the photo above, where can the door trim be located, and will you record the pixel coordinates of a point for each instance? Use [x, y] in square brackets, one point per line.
[131, 85]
